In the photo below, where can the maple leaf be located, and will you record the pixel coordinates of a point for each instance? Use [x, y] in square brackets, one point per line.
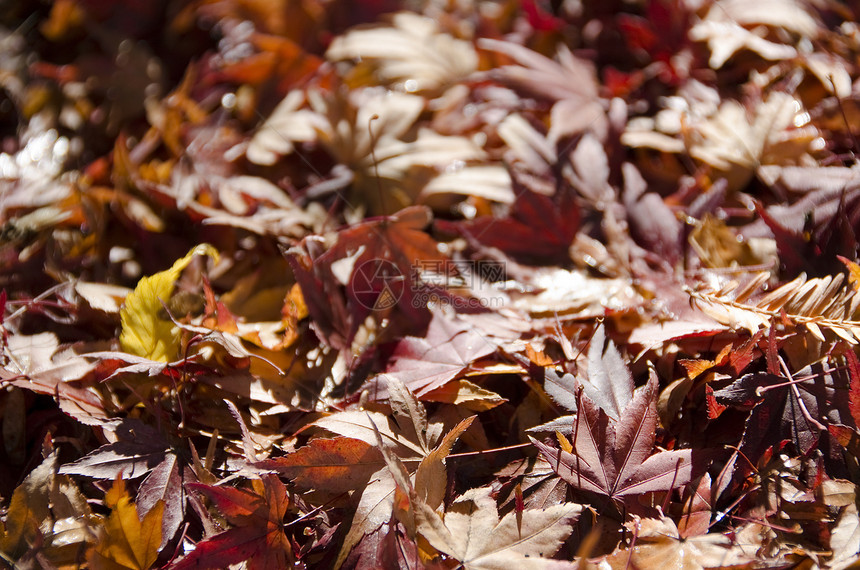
[427, 363]
[657, 542]
[129, 541]
[405, 437]
[144, 332]
[412, 55]
[731, 139]
[569, 83]
[814, 230]
[141, 450]
[257, 534]
[368, 271]
[372, 131]
[608, 383]
[543, 218]
[538, 228]
[796, 409]
[723, 28]
[613, 458]
[330, 466]
[471, 532]
[138, 449]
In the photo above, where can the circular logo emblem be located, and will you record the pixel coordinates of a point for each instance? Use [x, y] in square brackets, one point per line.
[377, 284]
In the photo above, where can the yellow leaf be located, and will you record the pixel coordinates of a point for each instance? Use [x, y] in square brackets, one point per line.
[144, 332]
[128, 541]
[564, 442]
[431, 478]
[853, 272]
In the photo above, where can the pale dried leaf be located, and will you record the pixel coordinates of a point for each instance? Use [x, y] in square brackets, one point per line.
[845, 538]
[608, 382]
[412, 55]
[472, 533]
[488, 182]
[657, 544]
[726, 38]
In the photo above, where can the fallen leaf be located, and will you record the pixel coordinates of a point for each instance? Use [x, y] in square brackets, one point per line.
[329, 466]
[144, 332]
[257, 534]
[129, 541]
[411, 55]
[658, 542]
[615, 458]
[472, 533]
[425, 364]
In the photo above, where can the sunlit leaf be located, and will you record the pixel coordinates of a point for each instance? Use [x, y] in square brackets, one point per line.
[129, 541]
[144, 332]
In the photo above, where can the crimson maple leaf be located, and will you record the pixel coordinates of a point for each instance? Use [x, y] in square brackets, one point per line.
[258, 530]
[538, 228]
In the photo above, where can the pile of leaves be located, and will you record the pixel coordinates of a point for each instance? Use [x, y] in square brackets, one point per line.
[479, 284]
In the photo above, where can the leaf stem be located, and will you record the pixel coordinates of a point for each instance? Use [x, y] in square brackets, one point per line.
[485, 451]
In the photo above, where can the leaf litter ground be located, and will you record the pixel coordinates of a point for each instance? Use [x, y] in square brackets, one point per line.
[429, 284]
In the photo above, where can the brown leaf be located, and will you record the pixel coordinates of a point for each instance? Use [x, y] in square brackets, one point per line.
[139, 449]
[614, 458]
[331, 466]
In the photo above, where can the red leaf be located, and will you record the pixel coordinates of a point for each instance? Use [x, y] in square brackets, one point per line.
[258, 535]
[539, 228]
[714, 407]
[235, 504]
[333, 466]
[233, 546]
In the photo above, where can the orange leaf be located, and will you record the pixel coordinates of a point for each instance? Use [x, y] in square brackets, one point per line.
[128, 541]
[330, 465]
